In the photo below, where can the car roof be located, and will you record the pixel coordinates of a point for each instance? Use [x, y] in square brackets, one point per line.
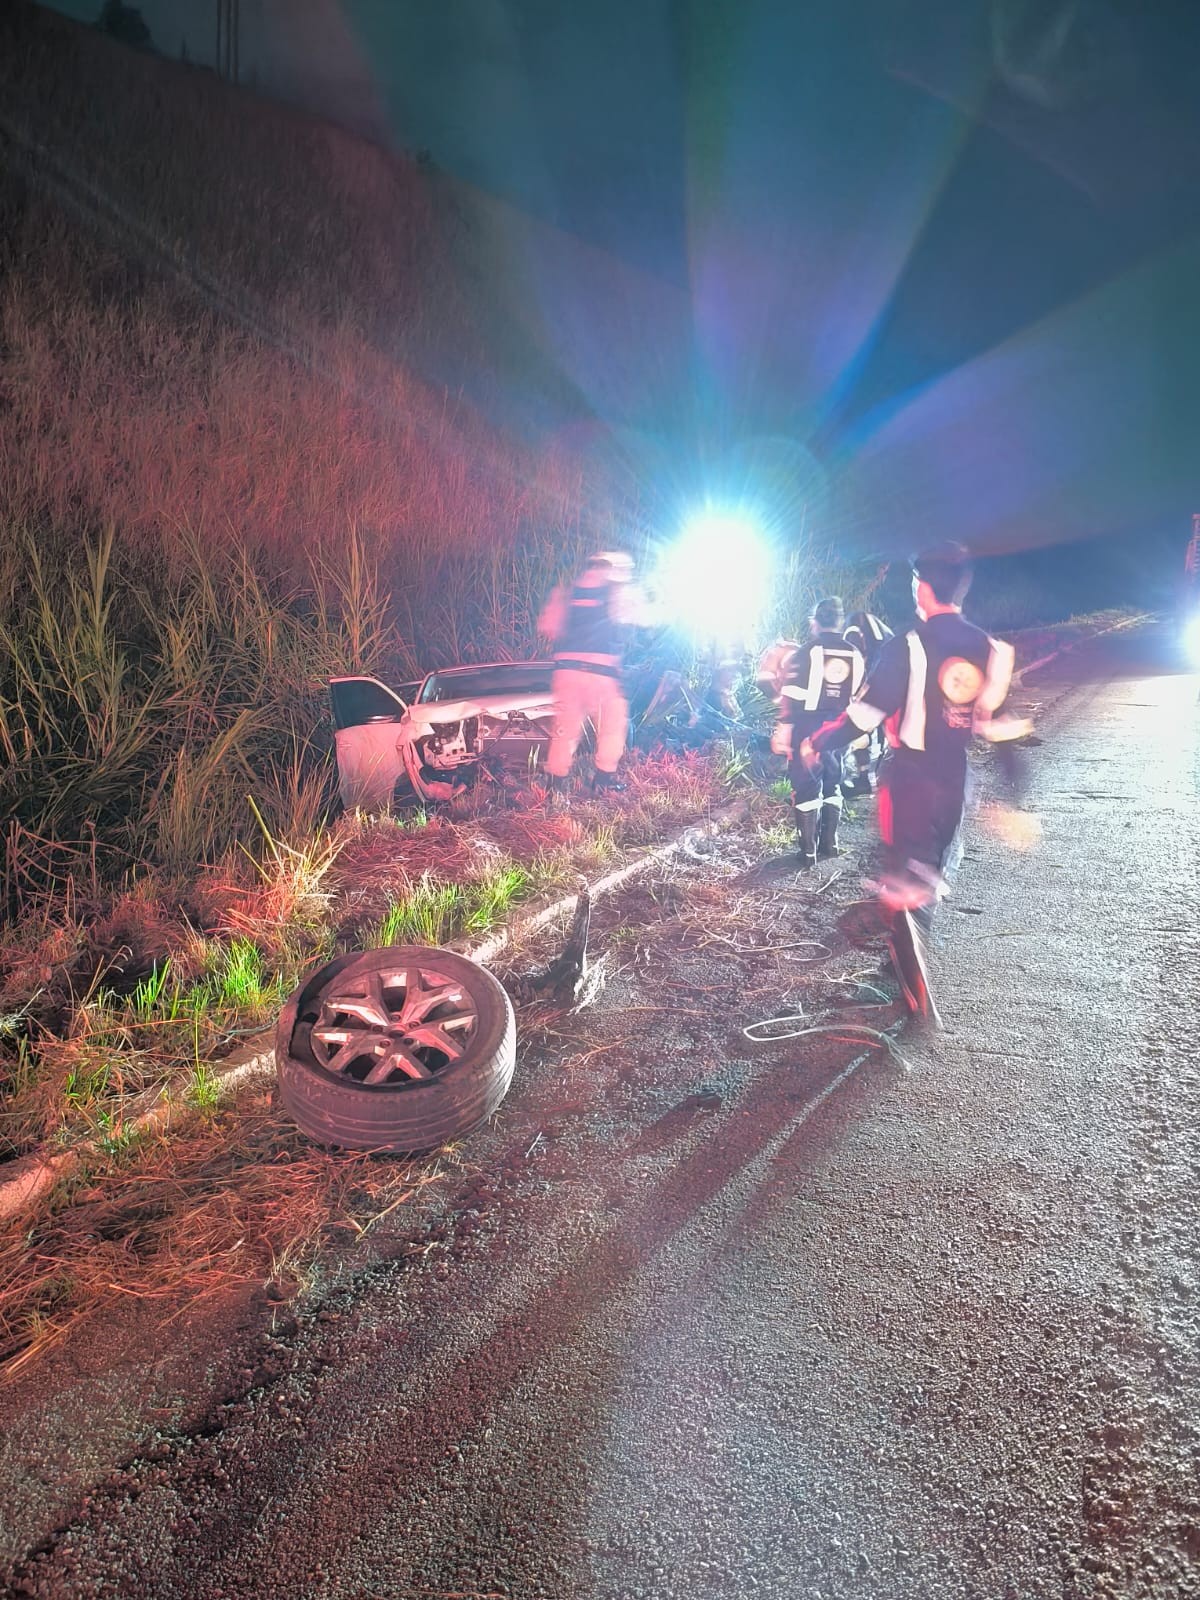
[484, 666]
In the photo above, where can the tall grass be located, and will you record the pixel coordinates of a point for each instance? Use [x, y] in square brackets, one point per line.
[232, 463]
[165, 723]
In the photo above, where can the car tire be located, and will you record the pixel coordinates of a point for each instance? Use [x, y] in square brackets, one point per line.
[392, 1014]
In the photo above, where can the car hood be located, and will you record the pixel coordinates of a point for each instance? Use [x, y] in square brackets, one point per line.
[438, 711]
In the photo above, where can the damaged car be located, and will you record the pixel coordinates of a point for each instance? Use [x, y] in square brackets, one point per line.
[433, 740]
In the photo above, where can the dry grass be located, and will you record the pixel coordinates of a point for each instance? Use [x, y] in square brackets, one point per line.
[225, 1200]
[230, 1195]
[224, 335]
[225, 473]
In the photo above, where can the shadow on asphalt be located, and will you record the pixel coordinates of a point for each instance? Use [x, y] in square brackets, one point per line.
[472, 1394]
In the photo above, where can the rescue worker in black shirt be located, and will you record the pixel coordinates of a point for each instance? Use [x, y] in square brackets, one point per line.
[869, 634]
[934, 690]
[819, 680]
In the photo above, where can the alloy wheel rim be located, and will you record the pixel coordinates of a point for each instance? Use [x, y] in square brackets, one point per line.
[393, 1024]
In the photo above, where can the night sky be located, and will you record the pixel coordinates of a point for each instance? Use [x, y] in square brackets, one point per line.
[930, 262]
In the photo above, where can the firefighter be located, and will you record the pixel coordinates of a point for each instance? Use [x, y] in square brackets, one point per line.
[773, 667]
[588, 622]
[819, 680]
[935, 689]
[869, 634]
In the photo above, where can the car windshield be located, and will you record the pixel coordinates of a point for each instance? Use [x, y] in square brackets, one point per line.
[488, 683]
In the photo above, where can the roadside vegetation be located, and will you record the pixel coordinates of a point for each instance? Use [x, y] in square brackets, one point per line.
[236, 456]
[171, 1183]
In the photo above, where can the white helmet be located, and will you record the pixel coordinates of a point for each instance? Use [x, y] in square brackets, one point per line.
[618, 562]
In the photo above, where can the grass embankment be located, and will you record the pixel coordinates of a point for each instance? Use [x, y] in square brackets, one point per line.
[234, 460]
[1033, 643]
[225, 1193]
[243, 326]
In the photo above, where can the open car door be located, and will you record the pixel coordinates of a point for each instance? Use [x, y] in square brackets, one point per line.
[366, 721]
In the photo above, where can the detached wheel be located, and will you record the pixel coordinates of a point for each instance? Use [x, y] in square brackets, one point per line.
[396, 1049]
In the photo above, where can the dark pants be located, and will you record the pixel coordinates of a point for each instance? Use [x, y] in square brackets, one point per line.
[811, 790]
[920, 809]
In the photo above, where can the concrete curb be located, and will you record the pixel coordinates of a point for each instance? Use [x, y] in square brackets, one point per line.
[31, 1176]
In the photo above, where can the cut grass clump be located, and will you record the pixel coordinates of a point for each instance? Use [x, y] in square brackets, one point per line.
[203, 1088]
[434, 913]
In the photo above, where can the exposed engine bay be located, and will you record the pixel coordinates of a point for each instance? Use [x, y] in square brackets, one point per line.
[448, 747]
[453, 755]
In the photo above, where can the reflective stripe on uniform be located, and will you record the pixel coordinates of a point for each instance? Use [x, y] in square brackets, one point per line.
[997, 678]
[809, 694]
[1000, 730]
[912, 722]
[816, 676]
[809, 805]
[864, 717]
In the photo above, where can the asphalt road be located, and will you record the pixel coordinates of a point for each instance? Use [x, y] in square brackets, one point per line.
[722, 1320]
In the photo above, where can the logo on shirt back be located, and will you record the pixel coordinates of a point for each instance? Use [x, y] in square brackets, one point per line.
[837, 670]
[960, 681]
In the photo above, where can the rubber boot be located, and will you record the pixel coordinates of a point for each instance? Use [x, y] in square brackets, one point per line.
[862, 782]
[607, 783]
[908, 959]
[827, 838]
[806, 827]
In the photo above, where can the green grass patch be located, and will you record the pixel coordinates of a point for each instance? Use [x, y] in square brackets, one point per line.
[237, 978]
[430, 913]
[493, 896]
[203, 1087]
[779, 835]
[86, 1085]
[733, 763]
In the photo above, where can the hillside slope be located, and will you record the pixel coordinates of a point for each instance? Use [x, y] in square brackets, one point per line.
[224, 315]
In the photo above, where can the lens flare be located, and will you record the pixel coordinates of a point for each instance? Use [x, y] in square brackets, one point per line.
[715, 580]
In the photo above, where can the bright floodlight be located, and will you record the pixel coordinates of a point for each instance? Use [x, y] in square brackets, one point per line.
[1191, 637]
[715, 578]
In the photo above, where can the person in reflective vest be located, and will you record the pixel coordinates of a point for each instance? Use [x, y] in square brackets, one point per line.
[934, 690]
[773, 667]
[869, 634]
[588, 622]
[819, 680]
